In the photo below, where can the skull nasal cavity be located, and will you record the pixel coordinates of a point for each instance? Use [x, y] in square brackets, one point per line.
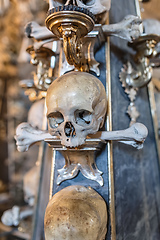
[69, 129]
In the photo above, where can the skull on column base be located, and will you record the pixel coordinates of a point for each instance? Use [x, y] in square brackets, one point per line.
[76, 212]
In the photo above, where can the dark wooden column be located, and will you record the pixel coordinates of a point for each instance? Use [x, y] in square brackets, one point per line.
[136, 172]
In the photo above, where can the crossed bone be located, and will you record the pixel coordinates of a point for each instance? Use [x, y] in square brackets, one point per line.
[26, 135]
[128, 29]
[13, 216]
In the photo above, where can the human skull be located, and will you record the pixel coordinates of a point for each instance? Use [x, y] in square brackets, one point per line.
[98, 7]
[76, 212]
[76, 106]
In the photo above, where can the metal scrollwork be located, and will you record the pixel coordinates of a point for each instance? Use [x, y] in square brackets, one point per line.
[71, 23]
[139, 75]
[71, 44]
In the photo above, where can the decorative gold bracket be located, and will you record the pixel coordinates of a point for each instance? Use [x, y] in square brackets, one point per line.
[41, 58]
[71, 25]
[133, 78]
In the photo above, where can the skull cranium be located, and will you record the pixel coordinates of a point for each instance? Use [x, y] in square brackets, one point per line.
[76, 212]
[95, 6]
[98, 7]
[76, 106]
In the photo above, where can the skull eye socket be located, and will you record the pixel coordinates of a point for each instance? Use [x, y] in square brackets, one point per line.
[83, 117]
[55, 119]
[89, 2]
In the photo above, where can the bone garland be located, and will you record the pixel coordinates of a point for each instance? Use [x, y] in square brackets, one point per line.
[135, 136]
[76, 212]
